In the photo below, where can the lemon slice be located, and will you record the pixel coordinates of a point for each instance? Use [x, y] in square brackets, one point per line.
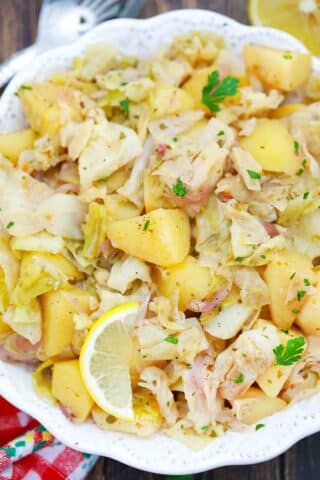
[105, 358]
[301, 18]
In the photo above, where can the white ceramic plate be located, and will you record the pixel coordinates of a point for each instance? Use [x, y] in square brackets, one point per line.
[157, 454]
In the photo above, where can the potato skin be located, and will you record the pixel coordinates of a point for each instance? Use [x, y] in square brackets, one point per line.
[278, 277]
[161, 237]
[68, 388]
[272, 146]
[192, 280]
[277, 68]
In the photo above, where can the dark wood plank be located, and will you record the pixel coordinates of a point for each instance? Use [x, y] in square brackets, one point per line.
[18, 21]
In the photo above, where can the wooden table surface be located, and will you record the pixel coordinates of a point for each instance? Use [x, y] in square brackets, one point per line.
[18, 20]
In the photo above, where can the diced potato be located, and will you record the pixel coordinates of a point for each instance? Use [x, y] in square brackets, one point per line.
[153, 192]
[68, 388]
[227, 323]
[58, 308]
[254, 405]
[274, 377]
[195, 85]
[278, 277]
[119, 207]
[4, 328]
[44, 109]
[161, 237]
[272, 146]
[309, 318]
[192, 280]
[277, 68]
[12, 144]
[169, 100]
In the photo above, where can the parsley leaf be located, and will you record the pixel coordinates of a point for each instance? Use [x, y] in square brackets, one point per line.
[306, 281]
[124, 104]
[284, 330]
[179, 189]
[25, 87]
[146, 225]
[296, 311]
[301, 169]
[293, 275]
[259, 426]
[171, 339]
[205, 427]
[296, 146]
[291, 353]
[219, 134]
[239, 379]
[103, 179]
[300, 294]
[287, 56]
[253, 174]
[305, 195]
[10, 224]
[215, 91]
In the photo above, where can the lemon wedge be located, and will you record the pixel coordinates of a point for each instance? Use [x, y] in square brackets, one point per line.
[301, 18]
[105, 359]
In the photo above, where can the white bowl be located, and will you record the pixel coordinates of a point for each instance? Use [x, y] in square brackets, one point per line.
[158, 454]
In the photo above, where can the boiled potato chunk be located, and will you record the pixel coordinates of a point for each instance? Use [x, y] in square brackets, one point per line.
[12, 144]
[280, 274]
[276, 68]
[58, 308]
[4, 328]
[255, 405]
[44, 106]
[169, 100]
[161, 237]
[309, 318]
[153, 192]
[272, 146]
[192, 280]
[195, 84]
[68, 388]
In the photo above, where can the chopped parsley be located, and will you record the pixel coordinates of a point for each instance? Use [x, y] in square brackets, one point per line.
[216, 90]
[219, 134]
[301, 169]
[253, 174]
[239, 379]
[293, 275]
[259, 426]
[124, 104]
[10, 224]
[296, 311]
[146, 225]
[171, 339]
[205, 428]
[238, 259]
[284, 330]
[305, 195]
[296, 146]
[291, 352]
[175, 139]
[179, 189]
[306, 281]
[263, 257]
[300, 294]
[287, 56]
[25, 87]
[103, 179]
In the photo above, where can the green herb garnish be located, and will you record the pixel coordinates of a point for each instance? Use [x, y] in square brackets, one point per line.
[239, 379]
[259, 426]
[171, 339]
[284, 330]
[291, 353]
[306, 281]
[10, 224]
[253, 174]
[25, 87]
[296, 311]
[287, 56]
[124, 104]
[305, 195]
[219, 134]
[301, 169]
[146, 225]
[300, 294]
[179, 189]
[293, 275]
[216, 90]
[296, 146]
[103, 179]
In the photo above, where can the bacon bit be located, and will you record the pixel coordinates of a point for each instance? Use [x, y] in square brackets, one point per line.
[202, 306]
[270, 228]
[225, 196]
[68, 187]
[161, 148]
[191, 198]
[105, 248]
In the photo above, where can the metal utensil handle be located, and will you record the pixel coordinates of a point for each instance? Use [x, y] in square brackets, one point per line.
[15, 63]
[131, 8]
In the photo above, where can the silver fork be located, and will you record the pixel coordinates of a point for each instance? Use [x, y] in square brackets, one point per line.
[63, 21]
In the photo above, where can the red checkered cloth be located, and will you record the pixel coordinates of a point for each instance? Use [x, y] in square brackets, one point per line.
[48, 458]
